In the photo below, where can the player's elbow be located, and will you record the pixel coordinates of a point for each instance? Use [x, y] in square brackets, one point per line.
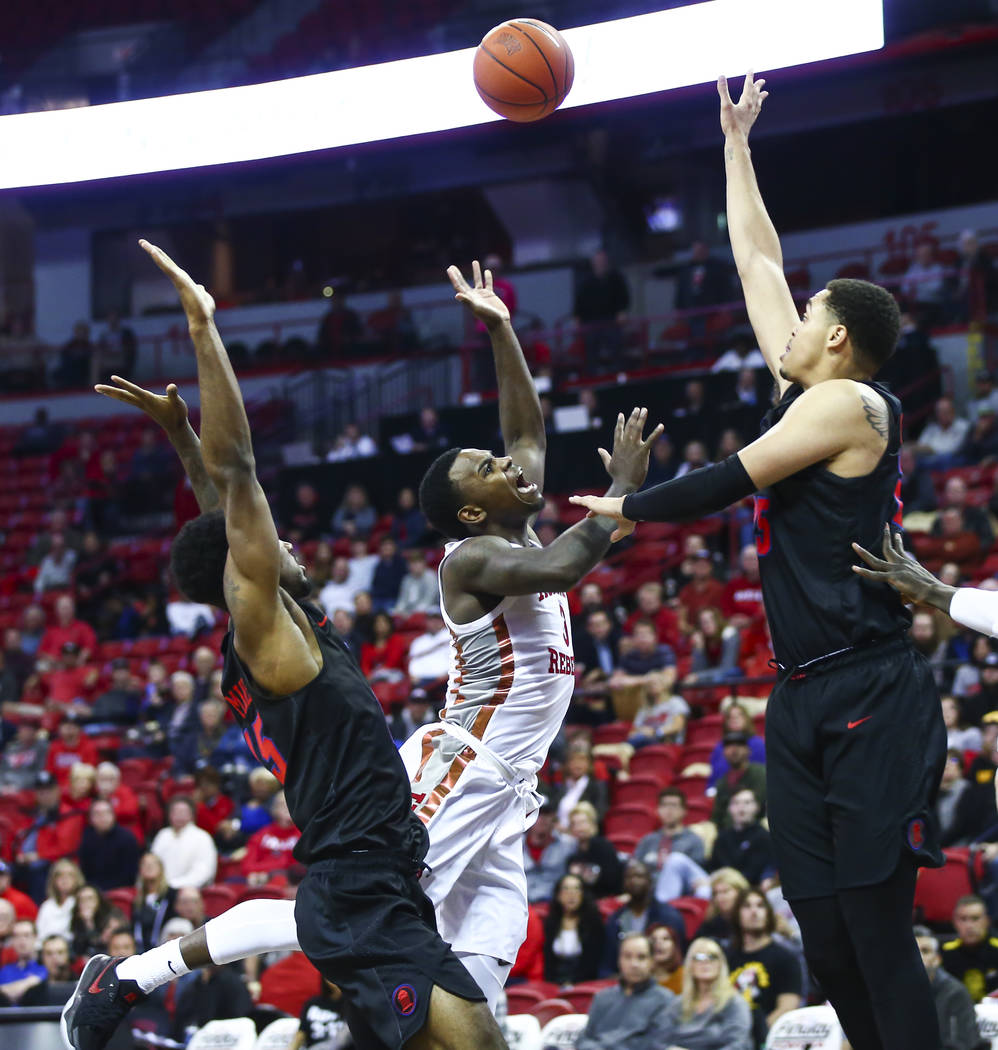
[232, 471]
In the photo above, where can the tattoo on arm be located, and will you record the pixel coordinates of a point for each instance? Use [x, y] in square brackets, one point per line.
[876, 415]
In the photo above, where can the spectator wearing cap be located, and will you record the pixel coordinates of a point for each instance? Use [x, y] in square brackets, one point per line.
[741, 774]
[17, 977]
[405, 719]
[954, 1006]
[67, 628]
[270, 849]
[188, 854]
[24, 907]
[119, 704]
[53, 833]
[70, 747]
[22, 759]
[735, 718]
[745, 845]
[109, 854]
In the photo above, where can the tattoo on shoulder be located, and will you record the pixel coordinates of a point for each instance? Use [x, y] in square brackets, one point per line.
[876, 414]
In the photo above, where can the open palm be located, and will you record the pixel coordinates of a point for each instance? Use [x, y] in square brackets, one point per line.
[480, 298]
[738, 117]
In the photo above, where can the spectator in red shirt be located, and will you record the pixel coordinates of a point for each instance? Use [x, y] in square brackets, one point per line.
[269, 850]
[650, 607]
[67, 628]
[68, 684]
[124, 801]
[212, 806]
[742, 602]
[702, 592]
[70, 747]
[529, 964]
[384, 658]
[78, 793]
[24, 907]
[54, 833]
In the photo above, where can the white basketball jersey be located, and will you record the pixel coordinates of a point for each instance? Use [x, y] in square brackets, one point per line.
[512, 674]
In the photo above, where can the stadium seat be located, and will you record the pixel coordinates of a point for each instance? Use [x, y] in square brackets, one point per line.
[698, 809]
[522, 998]
[657, 760]
[123, 897]
[633, 820]
[612, 733]
[696, 753]
[938, 889]
[581, 995]
[691, 787]
[218, 898]
[261, 893]
[625, 841]
[692, 910]
[234, 1033]
[642, 790]
[707, 729]
[563, 1031]
[522, 1030]
[608, 905]
[548, 1009]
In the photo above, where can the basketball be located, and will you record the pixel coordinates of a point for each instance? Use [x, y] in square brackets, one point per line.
[523, 69]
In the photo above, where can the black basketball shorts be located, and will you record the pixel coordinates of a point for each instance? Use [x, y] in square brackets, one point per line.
[854, 752]
[366, 925]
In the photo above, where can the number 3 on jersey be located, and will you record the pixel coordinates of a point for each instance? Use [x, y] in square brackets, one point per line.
[763, 536]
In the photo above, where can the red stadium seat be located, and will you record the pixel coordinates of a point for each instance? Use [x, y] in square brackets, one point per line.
[263, 893]
[656, 760]
[632, 820]
[691, 787]
[612, 733]
[625, 841]
[692, 910]
[694, 754]
[551, 1008]
[707, 729]
[217, 898]
[698, 809]
[582, 994]
[522, 998]
[642, 790]
[938, 889]
[123, 898]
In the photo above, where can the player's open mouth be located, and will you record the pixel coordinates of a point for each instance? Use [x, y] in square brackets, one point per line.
[522, 485]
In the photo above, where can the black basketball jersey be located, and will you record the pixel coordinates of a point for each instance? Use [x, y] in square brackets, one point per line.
[329, 745]
[804, 526]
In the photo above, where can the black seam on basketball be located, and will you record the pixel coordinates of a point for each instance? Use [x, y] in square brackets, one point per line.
[526, 80]
[503, 102]
[540, 51]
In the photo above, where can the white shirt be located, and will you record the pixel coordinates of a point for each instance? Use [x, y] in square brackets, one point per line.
[54, 918]
[189, 857]
[362, 572]
[337, 596]
[943, 442]
[418, 594]
[429, 655]
[363, 447]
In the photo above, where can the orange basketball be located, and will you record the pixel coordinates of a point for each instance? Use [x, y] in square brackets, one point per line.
[524, 69]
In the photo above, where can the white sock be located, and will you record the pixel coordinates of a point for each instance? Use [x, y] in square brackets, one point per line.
[250, 928]
[154, 967]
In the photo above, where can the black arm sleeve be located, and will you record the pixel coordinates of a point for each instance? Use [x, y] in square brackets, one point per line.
[695, 495]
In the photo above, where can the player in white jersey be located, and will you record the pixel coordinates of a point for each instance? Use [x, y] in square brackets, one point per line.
[474, 772]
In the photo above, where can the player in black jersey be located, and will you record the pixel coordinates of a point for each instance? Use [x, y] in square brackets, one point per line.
[855, 742]
[309, 716]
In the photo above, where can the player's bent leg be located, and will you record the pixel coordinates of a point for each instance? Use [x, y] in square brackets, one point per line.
[829, 953]
[453, 1023]
[108, 988]
[490, 975]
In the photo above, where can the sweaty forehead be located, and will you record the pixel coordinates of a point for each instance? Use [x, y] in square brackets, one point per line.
[467, 462]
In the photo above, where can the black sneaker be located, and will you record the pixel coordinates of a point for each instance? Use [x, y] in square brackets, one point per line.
[98, 1003]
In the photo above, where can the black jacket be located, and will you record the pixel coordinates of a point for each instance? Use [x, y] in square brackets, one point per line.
[109, 861]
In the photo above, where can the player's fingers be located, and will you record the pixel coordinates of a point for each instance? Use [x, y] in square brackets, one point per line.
[859, 570]
[870, 559]
[114, 392]
[476, 273]
[899, 546]
[488, 280]
[763, 95]
[760, 83]
[164, 262]
[128, 385]
[722, 89]
[618, 430]
[457, 278]
[605, 456]
[581, 501]
[654, 435]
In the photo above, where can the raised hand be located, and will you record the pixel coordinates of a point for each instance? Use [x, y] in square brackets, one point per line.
[197, 303]
[481, 299]
[904, 574]
[169, 410]
[738, 117]
[628, 465]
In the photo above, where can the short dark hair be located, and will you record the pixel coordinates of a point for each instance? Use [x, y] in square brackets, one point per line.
[197, 559]
[439, 498]
[672, 793]
[871, 316]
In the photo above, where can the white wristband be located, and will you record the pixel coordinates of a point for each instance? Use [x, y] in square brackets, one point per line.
[976, 609]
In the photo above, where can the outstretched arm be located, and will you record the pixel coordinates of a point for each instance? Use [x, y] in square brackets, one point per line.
[971, 606]
[754, 241]
[519, 406]
[169, 410]
[266, 636]
[489, 565]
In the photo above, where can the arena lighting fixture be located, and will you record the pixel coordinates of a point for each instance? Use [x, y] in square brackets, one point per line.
[613, 60]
